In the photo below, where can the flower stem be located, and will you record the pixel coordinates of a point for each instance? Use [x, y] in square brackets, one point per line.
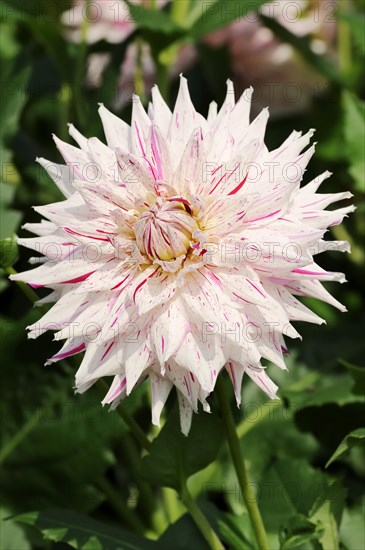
[162, 79]
[344, 40]
[239, 464]
[147, 501]
[179, 10]
[129, 420]
[139, 86]
[200, 520]
[9, 447]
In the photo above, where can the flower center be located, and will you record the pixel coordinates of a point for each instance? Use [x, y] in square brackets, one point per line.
[164, 232]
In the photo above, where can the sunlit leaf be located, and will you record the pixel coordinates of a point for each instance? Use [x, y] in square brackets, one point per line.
[353, 439]
[327, 513]
[12, 536]
[352, 531]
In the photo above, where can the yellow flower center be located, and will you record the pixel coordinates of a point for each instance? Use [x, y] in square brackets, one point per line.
[164, 232]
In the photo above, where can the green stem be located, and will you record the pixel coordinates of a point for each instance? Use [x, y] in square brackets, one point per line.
[139, 87]
[129, 420]
[173, 507]
[20, 435]
[63, 109]
[179, 11]
[200, 520]
[195, 12]
[162, 79]
[27, 290]
[239, 464]
[119, 505]
[147, 501]
[344, 41]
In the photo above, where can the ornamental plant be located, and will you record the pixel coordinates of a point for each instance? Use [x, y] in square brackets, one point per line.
[180, 240]
[187, 242]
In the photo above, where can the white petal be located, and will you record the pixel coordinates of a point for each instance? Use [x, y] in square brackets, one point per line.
[161, 112]
[117, 132]
[168, 331]
[61, 174]
[116, 390]
[160, 389]
[260, 378]
[78, 137]
[186, 414]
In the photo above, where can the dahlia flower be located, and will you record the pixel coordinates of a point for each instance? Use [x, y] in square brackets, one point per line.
[180, 250]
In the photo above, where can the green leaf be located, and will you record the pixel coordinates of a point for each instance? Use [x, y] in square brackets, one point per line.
[327, 513]
[172, 454]
[42, 18]
[13, 98]
[298, 531]
[49, 35]
[356, 23]
[352, 531]
[289, 487]
[50, 437]
[34, 8]
[353, 439]
[152, 20]
[181, 535]
[82, 532]
[70, 445]
[236, 531]
[354, 135]
[9, 222]
[11, 535]
[358, 374]
[8, 251]
[313, 504]
[216, 14]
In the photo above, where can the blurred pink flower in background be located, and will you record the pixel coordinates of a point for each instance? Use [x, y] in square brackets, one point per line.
[281, 79]
[104, 20]
[110, 20]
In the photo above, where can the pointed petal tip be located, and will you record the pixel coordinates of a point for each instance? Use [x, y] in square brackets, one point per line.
[183, 81]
